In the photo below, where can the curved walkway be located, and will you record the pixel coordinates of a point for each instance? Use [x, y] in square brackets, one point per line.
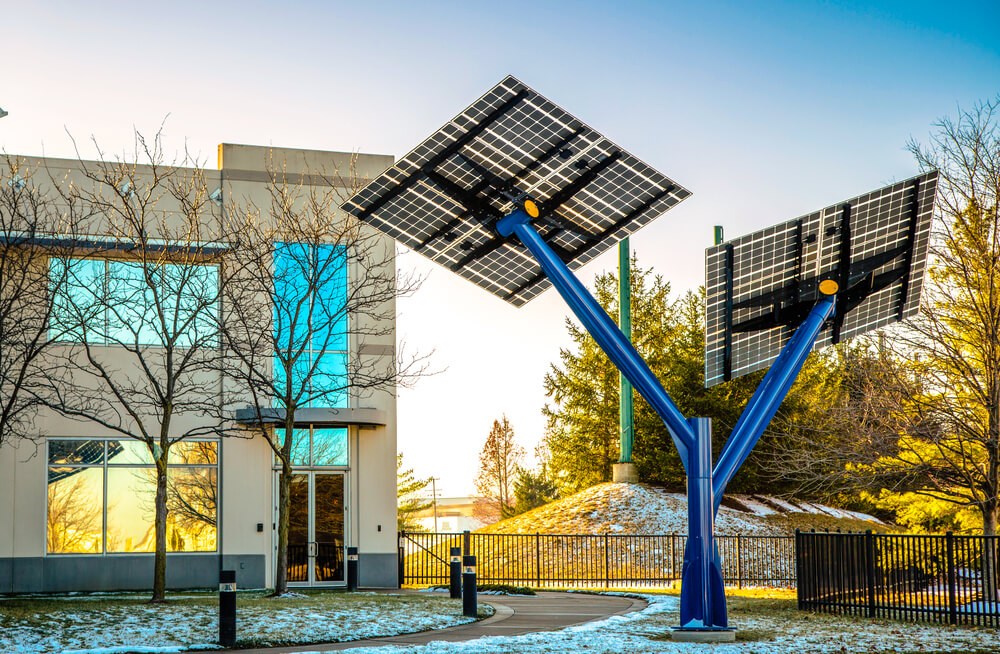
[515, 615]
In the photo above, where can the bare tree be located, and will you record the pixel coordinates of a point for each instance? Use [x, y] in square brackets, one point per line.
[31, 231]
[499, 464]
[307, 289]
[923, 414]
[149, 288]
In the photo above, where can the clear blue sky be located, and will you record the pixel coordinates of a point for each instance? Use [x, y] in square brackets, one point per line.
[765, 110]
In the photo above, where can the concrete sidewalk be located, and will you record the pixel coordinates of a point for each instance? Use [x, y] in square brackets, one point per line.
[515, 615]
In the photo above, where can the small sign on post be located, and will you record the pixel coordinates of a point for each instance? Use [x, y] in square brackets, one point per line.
[227, 608]
[469, 607]
[352, 568]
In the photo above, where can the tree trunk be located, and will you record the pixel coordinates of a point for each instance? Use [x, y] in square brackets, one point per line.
[160, 525]
[284, 492]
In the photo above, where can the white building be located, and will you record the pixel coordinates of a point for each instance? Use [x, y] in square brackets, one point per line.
[75, 510]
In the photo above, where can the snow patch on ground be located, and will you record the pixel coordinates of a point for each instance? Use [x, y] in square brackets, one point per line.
[618, 508]
[173, 627]
[648, 631]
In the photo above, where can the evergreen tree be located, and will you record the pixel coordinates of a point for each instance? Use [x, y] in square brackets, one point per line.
[583, 439]
[409, 496]
[532, 490]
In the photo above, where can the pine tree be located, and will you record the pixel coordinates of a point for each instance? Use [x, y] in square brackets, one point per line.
[409, 496]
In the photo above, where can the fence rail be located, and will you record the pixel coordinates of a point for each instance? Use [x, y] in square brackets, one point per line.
[608, 560]
[925, 578]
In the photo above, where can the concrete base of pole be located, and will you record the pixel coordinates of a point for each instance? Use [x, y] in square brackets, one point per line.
[703, 635]
[624, 473]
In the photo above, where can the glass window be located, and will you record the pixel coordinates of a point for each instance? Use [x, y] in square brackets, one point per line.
[191, 505]
[329, 446]
[78, 309]
[129, 452]
[131, 509]
[85, 487]
[127, 302]
[311, 322]
[329, 380]
[193, 453]
[75, 452]
[318, 446]
[300, 445]
[75, 522]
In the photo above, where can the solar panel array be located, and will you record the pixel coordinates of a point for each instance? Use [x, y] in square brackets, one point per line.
[443, 198]
[761, 286]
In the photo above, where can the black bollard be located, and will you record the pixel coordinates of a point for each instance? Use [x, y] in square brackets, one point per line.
[227, 608]
[455, 585]
[352, 568]
[469, 607]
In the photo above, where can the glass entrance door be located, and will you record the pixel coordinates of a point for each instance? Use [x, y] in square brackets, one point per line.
[316, 529]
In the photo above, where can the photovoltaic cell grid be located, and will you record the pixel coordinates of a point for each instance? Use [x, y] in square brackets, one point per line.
[443, 198]
[761, 286]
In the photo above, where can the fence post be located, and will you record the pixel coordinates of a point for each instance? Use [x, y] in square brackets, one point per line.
[401, 562]
[799, 564]
[673, 557]
[607, 572]
[870, 570]
[466, 543]
[949, 540]
[739, 561]
[538, 560]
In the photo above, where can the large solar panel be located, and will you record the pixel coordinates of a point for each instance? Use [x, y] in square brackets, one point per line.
[761, 286]
[444, 198]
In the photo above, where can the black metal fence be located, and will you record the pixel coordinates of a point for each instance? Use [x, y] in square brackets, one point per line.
[928, 578]
[577, 560]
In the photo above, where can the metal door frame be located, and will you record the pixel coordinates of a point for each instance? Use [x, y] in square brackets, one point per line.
[311, 538]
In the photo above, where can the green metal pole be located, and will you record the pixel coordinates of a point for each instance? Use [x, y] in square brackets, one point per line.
[625, 322]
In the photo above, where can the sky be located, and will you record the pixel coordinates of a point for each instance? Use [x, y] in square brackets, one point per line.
[764, 110]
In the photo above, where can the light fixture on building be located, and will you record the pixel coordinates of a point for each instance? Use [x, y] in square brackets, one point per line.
[2, 113]
[216, 196]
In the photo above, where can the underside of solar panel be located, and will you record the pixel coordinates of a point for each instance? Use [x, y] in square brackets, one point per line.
[443, 199]
[761, 286]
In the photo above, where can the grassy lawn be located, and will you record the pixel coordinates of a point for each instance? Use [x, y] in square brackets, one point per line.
[188, 620]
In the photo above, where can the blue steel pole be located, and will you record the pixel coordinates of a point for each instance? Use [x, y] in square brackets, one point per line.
[608, 336]
[703, 594]
[769, 396]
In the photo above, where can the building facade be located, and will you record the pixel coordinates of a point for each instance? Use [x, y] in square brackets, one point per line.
[76, 510]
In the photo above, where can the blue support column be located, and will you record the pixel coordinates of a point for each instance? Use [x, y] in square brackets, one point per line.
[703, 601]
[703, 594]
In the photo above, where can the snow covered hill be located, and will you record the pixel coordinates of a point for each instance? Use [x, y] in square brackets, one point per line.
[616, 508]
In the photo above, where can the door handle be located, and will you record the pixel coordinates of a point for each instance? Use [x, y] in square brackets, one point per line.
[312, 549]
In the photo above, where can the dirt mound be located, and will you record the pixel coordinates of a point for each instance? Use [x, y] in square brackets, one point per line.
[615, 508]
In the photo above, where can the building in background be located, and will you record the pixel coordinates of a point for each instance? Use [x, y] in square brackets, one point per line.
[454, 514]
[76, 504]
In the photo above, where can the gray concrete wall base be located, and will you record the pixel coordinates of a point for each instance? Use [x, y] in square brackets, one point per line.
[378, 571]
[53, 574]
[251, 569]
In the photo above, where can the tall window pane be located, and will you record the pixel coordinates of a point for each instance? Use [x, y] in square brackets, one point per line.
[131, 509]
[329, 379]
[330, 332]
[75, 522]
[78, 288]
[191, 504]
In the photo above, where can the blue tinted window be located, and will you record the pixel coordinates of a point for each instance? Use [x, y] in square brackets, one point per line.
[329, 446]
[314, 325]
[329, 380]
[127, 303]
[329, 307]
[78, 313]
